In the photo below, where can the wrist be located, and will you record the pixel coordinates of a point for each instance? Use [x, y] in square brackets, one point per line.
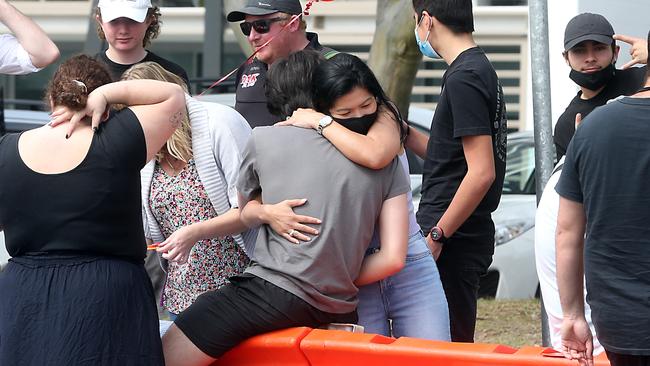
[317, 118]
[195, 231]
[323, 123]
[437, 234]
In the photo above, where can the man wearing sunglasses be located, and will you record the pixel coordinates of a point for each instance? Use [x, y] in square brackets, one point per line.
[262, 21]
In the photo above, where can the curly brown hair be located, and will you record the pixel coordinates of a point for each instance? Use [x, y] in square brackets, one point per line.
[152, 31]
[74, 80]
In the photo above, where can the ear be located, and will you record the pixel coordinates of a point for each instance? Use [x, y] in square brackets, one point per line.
[565, 54]
[294, 26]
[427, 19]
[617, 49]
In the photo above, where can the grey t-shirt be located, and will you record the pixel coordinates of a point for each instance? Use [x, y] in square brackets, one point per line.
[291, 162]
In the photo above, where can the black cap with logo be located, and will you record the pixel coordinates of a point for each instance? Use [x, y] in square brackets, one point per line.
[264, 7]
[587, 27]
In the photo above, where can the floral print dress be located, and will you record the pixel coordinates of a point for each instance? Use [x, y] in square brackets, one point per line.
[178, 201]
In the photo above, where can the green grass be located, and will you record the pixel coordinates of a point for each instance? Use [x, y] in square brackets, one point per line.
[514, 323]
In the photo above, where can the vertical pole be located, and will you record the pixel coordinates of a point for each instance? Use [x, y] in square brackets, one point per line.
[213, 40]
[544, 151]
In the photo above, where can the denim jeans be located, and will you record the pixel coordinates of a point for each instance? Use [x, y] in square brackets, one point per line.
[413, 299]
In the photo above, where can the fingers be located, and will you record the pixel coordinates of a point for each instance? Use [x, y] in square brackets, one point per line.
[165, 246]
[306, 229]
[589, 353]
[282, 123]
[630, 64]
[96, 119]
[624, 38]
[73, 122]
[578, 120]
[176, 255]
[296, 202]
[59, 116]
[290, 238]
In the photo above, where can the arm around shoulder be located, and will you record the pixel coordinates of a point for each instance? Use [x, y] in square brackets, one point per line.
[160, 110]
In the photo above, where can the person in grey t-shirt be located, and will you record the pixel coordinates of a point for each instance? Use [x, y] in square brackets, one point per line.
[315, 282]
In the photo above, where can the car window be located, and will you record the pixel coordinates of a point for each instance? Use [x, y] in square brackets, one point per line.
[520, 168]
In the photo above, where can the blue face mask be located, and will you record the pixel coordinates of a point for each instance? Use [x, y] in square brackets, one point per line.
[424, 45]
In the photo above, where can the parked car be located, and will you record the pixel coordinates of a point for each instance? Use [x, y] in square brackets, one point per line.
[512, 273]
[15, 121]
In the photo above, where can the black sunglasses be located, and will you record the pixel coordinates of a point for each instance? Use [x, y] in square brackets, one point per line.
[261, 26]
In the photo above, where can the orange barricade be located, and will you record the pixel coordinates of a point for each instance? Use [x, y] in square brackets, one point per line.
[316, 347]
[281, 347]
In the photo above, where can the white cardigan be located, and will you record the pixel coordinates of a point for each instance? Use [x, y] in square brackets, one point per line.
[219, 135]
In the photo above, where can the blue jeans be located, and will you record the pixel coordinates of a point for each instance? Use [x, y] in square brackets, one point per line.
[412, 299]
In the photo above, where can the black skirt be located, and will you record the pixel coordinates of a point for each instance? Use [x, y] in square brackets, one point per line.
[77, 310]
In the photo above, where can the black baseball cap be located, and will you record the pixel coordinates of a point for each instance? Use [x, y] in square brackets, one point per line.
[263, 7]
[587, 27]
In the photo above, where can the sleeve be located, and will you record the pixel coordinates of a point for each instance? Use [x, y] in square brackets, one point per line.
[228, 146]
[14, 60]
[469, 100]
[123, 139]
[569, 185]
[563, 133]
[398, 181]
[248, 183]
[145, 223]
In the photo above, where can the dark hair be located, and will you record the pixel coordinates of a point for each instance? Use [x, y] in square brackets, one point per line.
[342, 73]
[152, 31]
[74, 80]
[455, 14]
[288, 82]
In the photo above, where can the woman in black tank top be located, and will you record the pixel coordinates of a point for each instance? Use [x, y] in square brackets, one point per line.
[75, 289]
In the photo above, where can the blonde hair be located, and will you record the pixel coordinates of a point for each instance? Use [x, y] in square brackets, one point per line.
[179, 145]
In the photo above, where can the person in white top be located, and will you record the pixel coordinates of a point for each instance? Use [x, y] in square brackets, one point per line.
[28, 49]
[545, 224]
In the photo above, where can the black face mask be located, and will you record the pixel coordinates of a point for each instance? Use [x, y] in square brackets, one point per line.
[358, 124]
[594, 80]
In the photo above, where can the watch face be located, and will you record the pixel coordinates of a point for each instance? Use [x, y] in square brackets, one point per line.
[436, 234]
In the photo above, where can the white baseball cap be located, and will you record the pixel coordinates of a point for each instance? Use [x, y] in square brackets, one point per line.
[132, 9]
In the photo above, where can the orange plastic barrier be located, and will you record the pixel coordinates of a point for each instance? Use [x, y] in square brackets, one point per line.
[316, 347]
[281, 347]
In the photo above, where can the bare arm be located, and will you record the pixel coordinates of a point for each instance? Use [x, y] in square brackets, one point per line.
[417, 142]
[159, 110]
[42, 51]
[374, 150]
[577, 340]
[393, 234]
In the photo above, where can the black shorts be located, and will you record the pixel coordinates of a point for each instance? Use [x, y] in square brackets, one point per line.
[219, 320]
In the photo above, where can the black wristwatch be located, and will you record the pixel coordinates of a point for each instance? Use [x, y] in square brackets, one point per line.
[438, 235]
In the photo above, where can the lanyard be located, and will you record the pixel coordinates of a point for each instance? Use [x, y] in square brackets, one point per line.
[293, 19]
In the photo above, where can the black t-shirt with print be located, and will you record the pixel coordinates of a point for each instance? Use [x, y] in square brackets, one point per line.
[624, 82]
[471, 103]
[116, 70]
[251, 81]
